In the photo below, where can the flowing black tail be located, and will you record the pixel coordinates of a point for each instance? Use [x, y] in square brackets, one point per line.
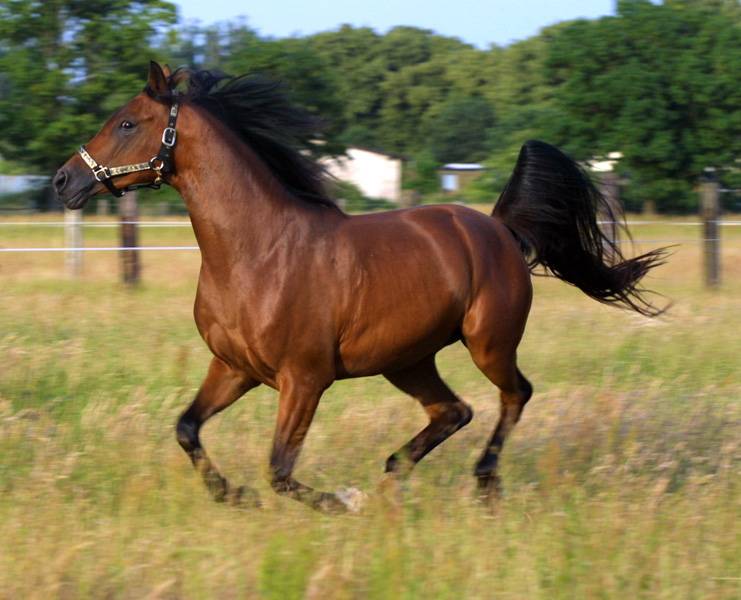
[552, 207]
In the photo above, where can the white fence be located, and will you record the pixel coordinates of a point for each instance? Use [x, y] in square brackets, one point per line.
[129, 223]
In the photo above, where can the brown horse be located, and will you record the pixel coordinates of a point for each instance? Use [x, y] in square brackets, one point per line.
[295, 294]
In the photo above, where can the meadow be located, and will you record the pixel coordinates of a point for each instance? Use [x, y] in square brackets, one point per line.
[621, 480]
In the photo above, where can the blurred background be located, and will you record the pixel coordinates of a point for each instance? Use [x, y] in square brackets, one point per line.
[622, 480]
[655, 86]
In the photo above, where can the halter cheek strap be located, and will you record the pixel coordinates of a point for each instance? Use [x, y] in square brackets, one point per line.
[161, 163]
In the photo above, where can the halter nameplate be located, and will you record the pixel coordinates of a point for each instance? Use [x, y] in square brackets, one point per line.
[161, 163]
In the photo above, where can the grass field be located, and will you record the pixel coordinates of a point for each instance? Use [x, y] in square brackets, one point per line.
[622, 479]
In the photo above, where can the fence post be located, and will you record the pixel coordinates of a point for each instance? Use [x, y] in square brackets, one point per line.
[129, 211]
[102, 207]
[710, 212]
[73, 239]
[609, 187]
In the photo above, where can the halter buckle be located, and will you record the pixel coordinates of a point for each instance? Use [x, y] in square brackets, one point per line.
[169, 135]
[101, 173]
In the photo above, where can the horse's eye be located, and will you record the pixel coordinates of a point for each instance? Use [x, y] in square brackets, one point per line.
[127, 125]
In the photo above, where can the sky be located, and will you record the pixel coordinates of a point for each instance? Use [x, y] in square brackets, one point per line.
[479, 22]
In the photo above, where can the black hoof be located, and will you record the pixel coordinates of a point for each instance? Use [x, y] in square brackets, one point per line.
[489, 489]
[243, 497]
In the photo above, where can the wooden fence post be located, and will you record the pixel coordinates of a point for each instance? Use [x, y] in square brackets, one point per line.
[102, 207]
[129, 211]
[609, 186]
[710, 212]
[72, 240]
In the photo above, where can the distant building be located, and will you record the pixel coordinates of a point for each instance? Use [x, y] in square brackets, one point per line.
[605, 165]
[609, 182]
[15, 184]
[376, 174]
[455, 176]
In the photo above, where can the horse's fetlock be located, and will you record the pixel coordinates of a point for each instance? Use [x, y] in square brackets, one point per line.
[487, 466]
[392, 463]
[282, 485]
[186, 432]
[526, 389]
[465, 414]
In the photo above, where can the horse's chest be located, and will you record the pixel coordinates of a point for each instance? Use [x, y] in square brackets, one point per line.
[229, 335]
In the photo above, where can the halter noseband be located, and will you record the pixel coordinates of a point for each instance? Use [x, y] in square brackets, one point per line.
[161, 164]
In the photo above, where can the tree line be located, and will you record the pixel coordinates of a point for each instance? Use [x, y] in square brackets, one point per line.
[660, 83]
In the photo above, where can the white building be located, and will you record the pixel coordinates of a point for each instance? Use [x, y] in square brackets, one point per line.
[455, 176]
[606, 165]
[376, 174]
[14, 184]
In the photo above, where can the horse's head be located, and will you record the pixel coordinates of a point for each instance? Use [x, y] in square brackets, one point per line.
[133, 149]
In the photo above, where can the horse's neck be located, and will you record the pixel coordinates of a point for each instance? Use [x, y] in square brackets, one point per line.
[238, 209]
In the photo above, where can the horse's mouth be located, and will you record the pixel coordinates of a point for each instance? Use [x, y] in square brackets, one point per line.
[80, 197]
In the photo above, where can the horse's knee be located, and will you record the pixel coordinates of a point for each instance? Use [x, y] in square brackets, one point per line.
[187, 432]
[450, 414]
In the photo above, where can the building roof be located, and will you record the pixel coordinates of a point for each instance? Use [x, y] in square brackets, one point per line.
[377, 151]
[605, 165]
[463, 167]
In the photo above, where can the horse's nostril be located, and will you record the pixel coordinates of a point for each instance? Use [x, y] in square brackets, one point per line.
[60, 180]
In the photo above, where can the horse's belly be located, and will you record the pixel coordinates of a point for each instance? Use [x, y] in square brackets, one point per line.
[394, 343]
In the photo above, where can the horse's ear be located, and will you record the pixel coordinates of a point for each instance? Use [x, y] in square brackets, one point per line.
[157, 80]
[178, 76]
[166, 70]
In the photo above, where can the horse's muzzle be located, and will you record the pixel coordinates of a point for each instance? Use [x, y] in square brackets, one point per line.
[72, 189]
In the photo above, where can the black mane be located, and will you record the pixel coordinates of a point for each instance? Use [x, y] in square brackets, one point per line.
[259, 112]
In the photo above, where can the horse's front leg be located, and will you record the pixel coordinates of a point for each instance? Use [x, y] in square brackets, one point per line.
[221, 388]
[299, 397]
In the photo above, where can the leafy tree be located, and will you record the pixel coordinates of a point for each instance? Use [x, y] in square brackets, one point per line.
[661, 84]
[406, 46]
[355, 57]
[409, 94]
[459, 132]
[517, 89]
[393, 85]
[64, 66]
[420, 174]
[307, 77]
[515, 75]
[415, 94]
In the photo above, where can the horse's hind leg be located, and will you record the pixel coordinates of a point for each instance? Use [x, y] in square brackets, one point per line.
[221, 388]
[515, 391]
[446, 411]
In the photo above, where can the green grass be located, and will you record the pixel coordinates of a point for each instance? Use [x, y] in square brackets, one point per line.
[622, 479]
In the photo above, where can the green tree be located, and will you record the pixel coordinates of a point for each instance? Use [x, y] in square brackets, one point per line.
[459, 132]
[357, 62]
[64, 66]
[415, 94]
[517, 89]
[661, 84]
[393, 85]
[308, 79]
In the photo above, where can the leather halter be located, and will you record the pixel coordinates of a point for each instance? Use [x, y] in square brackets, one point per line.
[161, 164]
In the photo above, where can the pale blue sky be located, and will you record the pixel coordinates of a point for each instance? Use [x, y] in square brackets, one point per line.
[479, 22]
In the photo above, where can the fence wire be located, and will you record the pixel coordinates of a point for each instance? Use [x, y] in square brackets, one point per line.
[168, 224]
